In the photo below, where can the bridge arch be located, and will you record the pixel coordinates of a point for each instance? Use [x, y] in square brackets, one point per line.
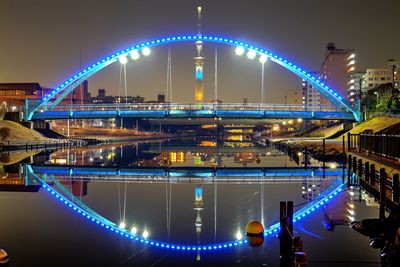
[54, 97]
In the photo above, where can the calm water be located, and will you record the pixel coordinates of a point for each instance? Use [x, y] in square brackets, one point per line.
[38, 230]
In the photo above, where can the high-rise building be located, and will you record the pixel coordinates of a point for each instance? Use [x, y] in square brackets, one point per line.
[375, 77]
[394, 66]
[356, 86]
[161, 98]
[338, 66]
[294, 97]
[310, 95]
[199, 62]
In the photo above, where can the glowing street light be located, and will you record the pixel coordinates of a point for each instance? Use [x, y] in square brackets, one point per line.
[135, 55]
[239, 235]
[145, 234]
[134, 230]
[146, 51]
[123, 59]
[239, 51]
[122, 225]
[263, 59]
[251, 54]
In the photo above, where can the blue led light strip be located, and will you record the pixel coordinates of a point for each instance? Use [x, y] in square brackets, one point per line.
[272, 230]
[70, 83]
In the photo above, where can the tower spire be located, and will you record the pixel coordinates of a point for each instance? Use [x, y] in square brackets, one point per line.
[199, 61]
[199, 9]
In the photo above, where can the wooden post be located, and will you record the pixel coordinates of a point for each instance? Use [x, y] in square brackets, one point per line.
[289, 215]
[349, 162]
[395, 188]
[348, 142]
[360, 168]
[372, 174]
[305, 158]
[366, 171]
[297, 244]
[349, 171]
[344, 158]
[300, 259]
[382, 192]
[285, 239]
[354, 165]
[323, 153]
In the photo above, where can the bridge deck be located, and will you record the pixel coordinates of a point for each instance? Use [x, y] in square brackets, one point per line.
[226, 111]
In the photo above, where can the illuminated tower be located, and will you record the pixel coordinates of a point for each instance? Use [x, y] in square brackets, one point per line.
[199, 62]
[198, 207]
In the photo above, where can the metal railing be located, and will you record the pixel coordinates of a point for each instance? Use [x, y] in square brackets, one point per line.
[191, 106]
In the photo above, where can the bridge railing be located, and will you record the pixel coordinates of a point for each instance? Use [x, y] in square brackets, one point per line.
[191, 106]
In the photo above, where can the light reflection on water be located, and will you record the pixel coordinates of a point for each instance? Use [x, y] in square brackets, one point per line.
[219, 212]
[188, 213]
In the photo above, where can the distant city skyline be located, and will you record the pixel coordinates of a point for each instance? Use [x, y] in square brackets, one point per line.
[50, 41]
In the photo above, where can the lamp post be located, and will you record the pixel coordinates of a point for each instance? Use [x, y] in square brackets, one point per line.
[377, 98]
[263, 59]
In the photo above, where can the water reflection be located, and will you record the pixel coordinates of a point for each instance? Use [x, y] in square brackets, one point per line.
[186, 204]
[174, 153]
[183, 193]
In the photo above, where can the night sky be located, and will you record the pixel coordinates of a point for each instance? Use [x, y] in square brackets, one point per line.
[41, 40]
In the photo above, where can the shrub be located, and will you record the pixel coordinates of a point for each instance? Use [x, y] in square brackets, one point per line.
[4, 133]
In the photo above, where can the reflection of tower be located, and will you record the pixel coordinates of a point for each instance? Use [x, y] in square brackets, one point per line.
[198, 207]
[199, 62]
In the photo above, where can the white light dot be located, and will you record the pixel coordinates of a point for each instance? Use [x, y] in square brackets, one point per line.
[263, 59]
[134, 230]
[122, 225]
[135, 55]
[145, 234]
[239, 235]
[239, 51]
[251, 54]
[146, 51]
[123, 60]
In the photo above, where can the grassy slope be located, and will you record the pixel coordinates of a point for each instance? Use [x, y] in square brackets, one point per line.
[325, 132]
[21, 133]
[375, 124]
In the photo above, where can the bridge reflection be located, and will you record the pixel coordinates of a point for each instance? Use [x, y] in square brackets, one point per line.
[186, 174]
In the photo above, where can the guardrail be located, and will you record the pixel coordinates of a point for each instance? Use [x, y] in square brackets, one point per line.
[40, 144]
[384, 145]
[187, 106]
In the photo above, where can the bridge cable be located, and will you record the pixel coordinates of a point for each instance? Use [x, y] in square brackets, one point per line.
[216, 76]
[125, 85]
[169, 76]
[262, 83]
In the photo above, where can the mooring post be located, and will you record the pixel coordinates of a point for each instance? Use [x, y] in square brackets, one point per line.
[382, 192]
[305, 158]
[395, 188]
[367, 172]
[360, 168]
[344, 158]
[289, 215]
[372, 174]
[285, 239]
[323, 154]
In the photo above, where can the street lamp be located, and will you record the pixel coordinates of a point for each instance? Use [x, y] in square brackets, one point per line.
[377, 98]
[263, 59]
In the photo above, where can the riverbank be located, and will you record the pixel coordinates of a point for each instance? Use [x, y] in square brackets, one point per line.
[334, 147]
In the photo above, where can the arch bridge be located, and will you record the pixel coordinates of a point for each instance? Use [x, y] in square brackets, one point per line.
[49, 107]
